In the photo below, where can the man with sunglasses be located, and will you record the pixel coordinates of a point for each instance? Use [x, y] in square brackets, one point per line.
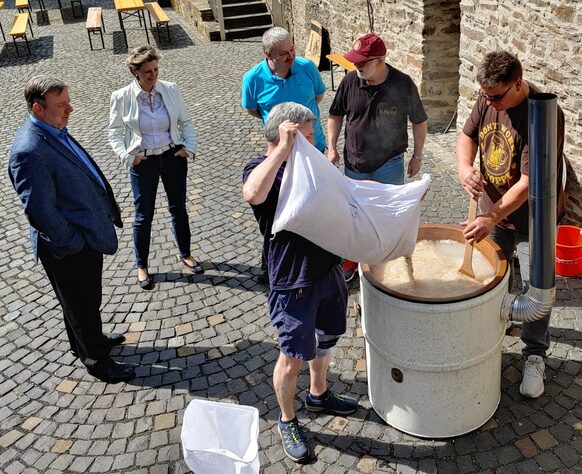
[498, 128]
[377, 101]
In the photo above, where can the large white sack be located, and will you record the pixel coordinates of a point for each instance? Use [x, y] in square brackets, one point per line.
[362, 221]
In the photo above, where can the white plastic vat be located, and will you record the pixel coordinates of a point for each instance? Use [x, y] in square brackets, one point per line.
[434, 366]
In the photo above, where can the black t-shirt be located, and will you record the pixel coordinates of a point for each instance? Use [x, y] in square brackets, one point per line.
[376, 118]
[293, 261]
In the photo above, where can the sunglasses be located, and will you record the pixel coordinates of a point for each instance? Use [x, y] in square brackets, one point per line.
[495, 98]
[361, 63]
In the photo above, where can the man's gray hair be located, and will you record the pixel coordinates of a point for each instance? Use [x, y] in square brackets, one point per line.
[274, 36]
[39, 86]
[291, 111]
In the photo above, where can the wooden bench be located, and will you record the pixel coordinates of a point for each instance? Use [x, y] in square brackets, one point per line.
[338, 61]
[160, 18]
[23, 7]
[95, 24]
[18, 30]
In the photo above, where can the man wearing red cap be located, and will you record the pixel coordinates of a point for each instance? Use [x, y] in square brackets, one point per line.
[377, 100]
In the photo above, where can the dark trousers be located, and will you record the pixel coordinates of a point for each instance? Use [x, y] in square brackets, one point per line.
[76, 280]
[144, 183]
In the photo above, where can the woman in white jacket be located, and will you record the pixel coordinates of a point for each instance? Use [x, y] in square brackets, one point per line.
[151, 132]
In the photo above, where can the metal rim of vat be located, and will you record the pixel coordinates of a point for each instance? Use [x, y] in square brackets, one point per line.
[454, 232]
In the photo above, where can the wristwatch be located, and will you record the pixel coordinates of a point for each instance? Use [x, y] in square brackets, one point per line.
[418, 157]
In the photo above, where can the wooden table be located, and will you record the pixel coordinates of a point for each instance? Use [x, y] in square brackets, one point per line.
[127, 8]
[337, 61]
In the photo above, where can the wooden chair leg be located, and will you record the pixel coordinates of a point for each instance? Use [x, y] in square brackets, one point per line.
[27, 45]
[168, 31]
[102, 41]
[2, 30]
[90, 42]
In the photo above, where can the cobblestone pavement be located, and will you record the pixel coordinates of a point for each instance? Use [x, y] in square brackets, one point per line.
[208, 336]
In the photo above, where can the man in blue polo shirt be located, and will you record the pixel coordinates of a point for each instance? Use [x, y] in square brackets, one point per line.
[282, 77]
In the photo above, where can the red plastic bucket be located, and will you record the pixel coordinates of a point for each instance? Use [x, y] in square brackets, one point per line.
[569, 251]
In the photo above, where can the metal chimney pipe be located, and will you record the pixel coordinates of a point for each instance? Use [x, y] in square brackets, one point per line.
[542, 140]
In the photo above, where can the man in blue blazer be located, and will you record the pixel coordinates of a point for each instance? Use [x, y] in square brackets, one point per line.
[72, 212]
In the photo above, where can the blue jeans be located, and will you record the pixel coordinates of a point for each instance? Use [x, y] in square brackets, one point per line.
[535, 336]
[391, 172]
[144, 182]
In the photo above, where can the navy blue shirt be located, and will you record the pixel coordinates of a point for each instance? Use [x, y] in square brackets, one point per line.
[293, 261]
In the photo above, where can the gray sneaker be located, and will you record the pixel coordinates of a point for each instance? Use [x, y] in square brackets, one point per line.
[532, 383]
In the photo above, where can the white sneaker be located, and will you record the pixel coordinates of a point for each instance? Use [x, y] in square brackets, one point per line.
[532, 383]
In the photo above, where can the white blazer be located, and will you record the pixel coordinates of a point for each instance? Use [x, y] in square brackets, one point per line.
[124, 133]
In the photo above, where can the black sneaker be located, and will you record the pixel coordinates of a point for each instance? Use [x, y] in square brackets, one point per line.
[332, 403]
[294, 443]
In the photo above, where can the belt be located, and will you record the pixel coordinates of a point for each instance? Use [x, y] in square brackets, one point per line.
[158, 151]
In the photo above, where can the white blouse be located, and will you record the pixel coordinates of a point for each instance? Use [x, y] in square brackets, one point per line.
[154, 120]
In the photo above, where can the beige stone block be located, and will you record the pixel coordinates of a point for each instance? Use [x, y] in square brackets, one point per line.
[31, 423]
[61, 446]
[489, 425]
[361, 365]
[526, 447]
[248, 223]
[165, 421]
[338, 424]
[137, 327]
[186, 351]
[359, 332]
[366, 465]
[10, 438]
[66, 386]
[236, 215]
[215, 319]
[183, 329]
[544, 439]
[132, 337]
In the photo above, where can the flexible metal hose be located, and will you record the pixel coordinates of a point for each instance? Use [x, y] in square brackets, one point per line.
[529, 307]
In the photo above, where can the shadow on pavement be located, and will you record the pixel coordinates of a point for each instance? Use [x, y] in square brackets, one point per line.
[41, 48]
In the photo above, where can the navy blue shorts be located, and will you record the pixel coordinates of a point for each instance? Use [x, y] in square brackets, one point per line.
[310, 320]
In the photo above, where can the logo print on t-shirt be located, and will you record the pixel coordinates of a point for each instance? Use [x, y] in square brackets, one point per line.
[386, 110]
[497, 149]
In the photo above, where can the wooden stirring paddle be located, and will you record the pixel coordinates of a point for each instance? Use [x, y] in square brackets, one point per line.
[467, 266]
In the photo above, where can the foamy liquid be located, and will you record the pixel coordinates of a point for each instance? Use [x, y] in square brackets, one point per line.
[435, 271]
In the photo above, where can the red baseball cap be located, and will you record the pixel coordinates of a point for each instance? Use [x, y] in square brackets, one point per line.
[368, 46]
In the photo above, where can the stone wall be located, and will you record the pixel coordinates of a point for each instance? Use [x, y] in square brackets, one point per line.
[439, 44]
[545, 36]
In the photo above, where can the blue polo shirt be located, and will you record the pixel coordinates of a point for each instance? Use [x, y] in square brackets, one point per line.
[262, 90]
